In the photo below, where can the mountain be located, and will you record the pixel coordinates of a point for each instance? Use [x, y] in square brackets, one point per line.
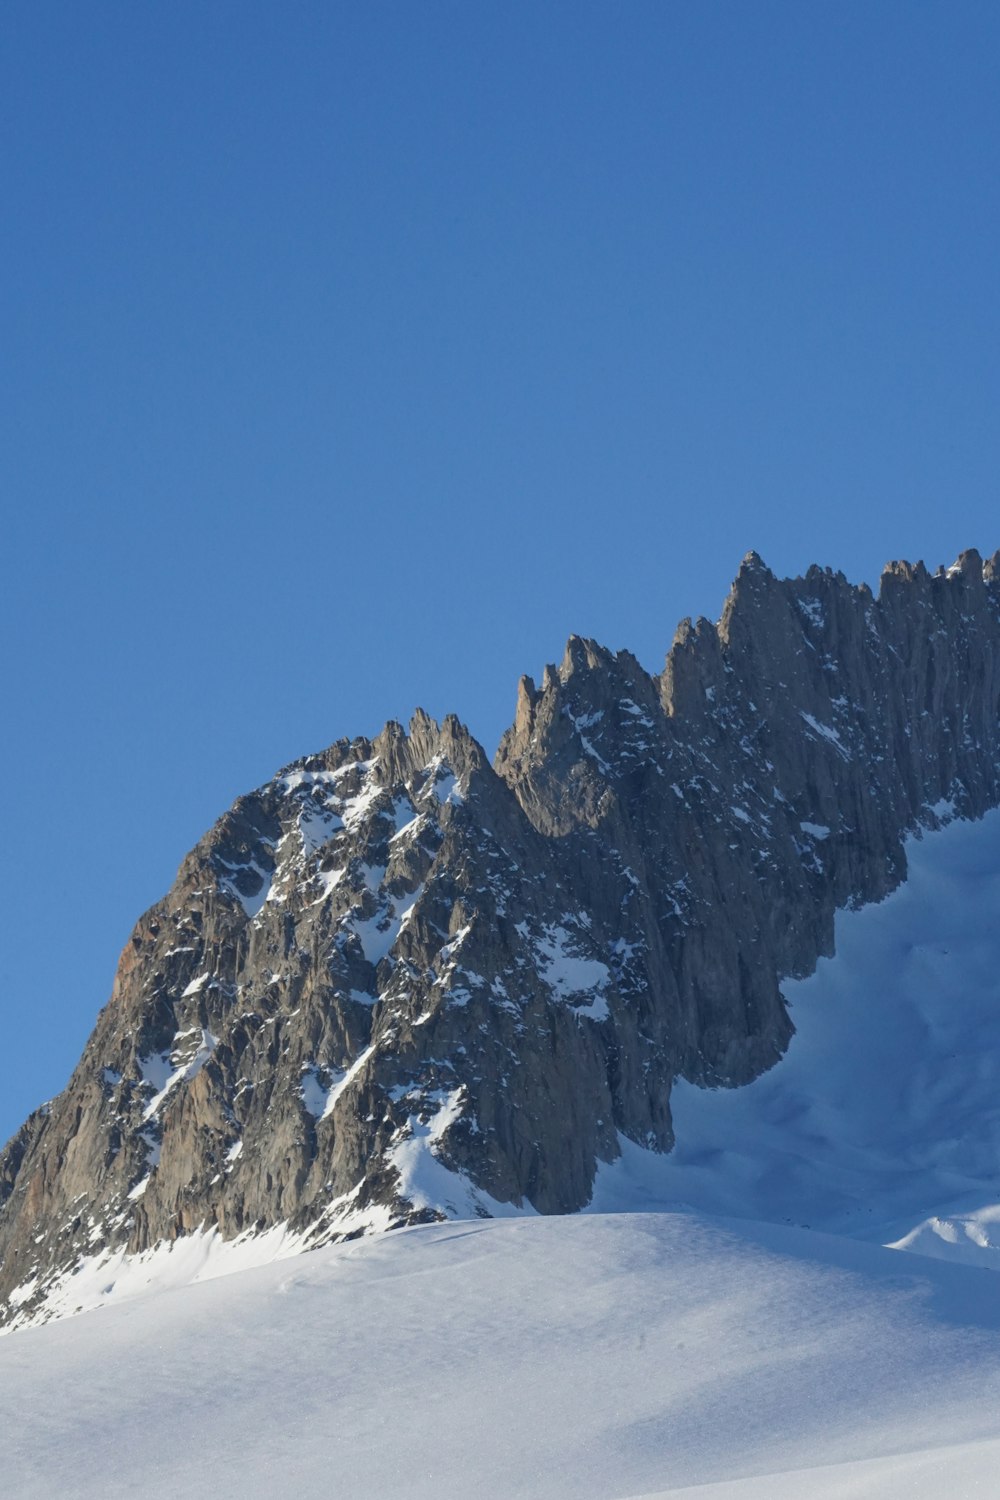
[695, 1352]
[398, 984]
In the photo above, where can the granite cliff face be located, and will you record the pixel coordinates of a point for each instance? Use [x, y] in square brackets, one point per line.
[398, 983]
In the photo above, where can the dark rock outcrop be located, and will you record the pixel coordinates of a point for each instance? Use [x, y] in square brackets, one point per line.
[398, 982]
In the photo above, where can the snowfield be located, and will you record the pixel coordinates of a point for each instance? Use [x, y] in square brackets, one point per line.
[754, 1339]
[608, 1356]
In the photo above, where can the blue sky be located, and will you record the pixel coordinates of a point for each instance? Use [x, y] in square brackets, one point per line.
[352, 356]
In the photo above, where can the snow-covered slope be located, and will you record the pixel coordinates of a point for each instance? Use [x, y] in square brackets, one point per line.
[580, 1357]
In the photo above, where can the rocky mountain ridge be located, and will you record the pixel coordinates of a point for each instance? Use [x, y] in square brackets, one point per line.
[398, 983]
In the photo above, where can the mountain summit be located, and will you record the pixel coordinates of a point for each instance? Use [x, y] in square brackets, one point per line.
[398, 984]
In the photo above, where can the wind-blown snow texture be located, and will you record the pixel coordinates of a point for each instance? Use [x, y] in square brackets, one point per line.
[396, 984]
[565, 1358]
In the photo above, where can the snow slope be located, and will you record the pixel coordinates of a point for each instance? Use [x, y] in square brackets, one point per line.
[579, 1357]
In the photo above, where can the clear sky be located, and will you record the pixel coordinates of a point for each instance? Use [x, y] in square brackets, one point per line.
[353, 355]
